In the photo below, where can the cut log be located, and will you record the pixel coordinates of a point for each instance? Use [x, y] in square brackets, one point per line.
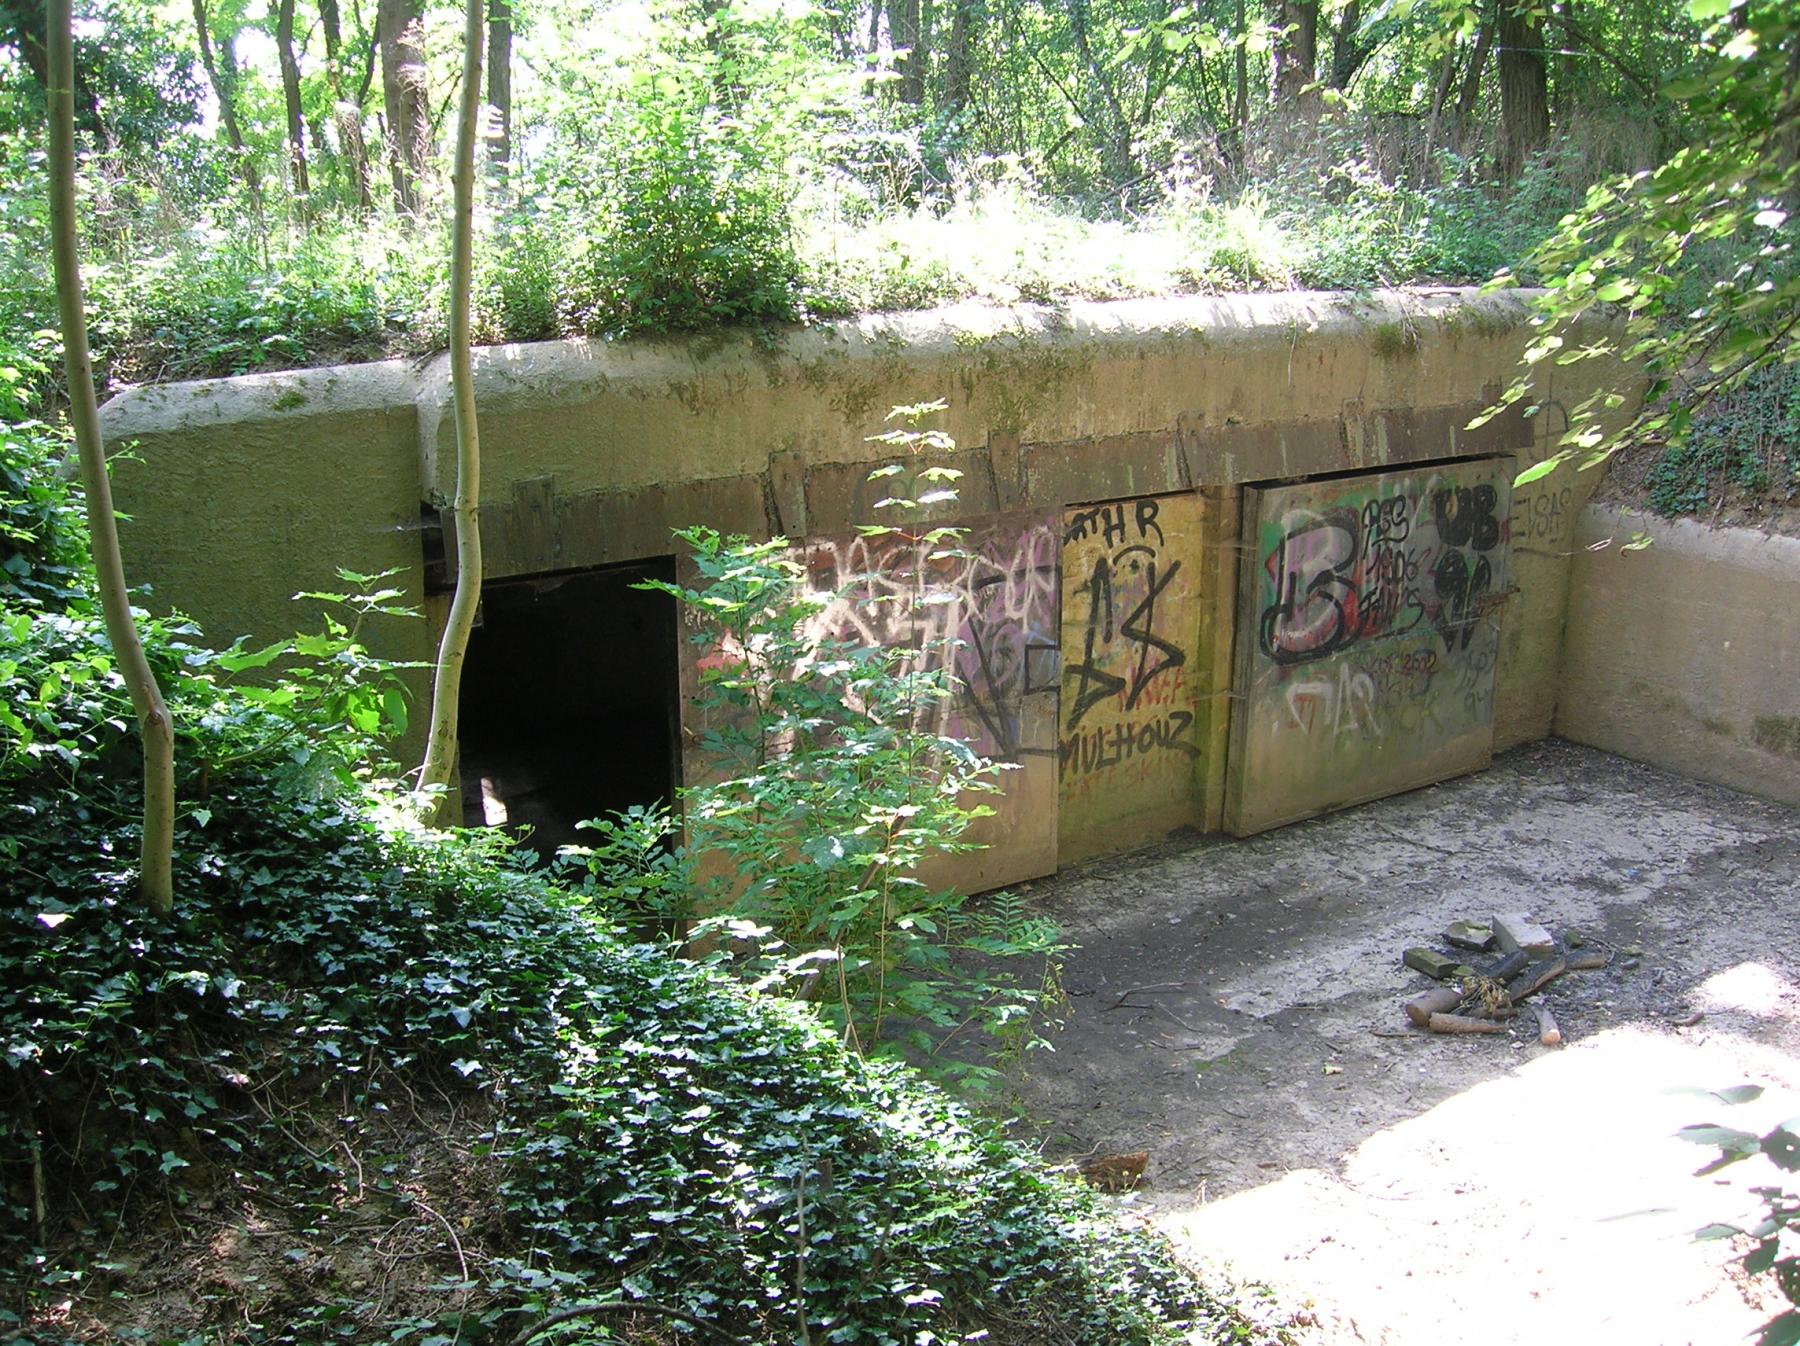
[1589, 962]
[1438, 1000]
[1549, 1035]
[1462, 1023]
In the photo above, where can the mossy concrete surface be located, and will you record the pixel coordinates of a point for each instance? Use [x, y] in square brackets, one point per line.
[241, 493]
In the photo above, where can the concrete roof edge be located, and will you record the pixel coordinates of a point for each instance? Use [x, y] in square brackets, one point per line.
[382, 385]
[1775, 554]
[577, 367]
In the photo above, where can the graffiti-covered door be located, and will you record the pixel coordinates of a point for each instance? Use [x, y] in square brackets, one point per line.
[988, 601]
[1138, 680]
[1368, 632]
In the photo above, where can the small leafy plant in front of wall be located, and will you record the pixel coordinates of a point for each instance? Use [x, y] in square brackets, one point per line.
[829, 789]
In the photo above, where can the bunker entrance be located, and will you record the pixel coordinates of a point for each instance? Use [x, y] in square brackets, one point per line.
[570, 702]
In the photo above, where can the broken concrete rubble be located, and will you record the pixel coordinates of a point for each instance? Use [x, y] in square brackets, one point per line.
[1471, 935]
[1433, 964]
[1516, 931]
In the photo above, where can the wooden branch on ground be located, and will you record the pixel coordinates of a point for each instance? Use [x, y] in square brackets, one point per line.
[1539, 980]
[1463, 1023]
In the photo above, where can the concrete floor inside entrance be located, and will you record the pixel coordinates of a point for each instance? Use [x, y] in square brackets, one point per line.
[1234, 1008]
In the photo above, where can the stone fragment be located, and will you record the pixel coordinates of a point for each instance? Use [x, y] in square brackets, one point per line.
[1429, 961]
[1516, 931]
[1470, 935]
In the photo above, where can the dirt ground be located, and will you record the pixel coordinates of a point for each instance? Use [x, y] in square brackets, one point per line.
[1235, 1009]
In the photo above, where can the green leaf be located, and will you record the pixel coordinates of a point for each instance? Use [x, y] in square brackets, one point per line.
[1539, 470]
[1783, 1149]
[1738, 1093]
[236, 661]
[1716, 1231]
[1782, 1331]
[1725, 1137]
[393, 705]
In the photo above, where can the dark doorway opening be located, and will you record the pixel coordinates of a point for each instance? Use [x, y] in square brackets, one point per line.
[570, 702]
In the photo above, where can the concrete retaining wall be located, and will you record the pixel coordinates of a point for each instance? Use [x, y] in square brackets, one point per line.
[1686, 653]
[245, 491]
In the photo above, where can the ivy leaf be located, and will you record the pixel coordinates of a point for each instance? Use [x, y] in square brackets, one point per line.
[1783, 1148]
[1783, 1331]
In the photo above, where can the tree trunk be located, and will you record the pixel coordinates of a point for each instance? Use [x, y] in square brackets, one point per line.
[904, 30]
[224, 87]
[1440, 94]
[1790, 136]
[1295, 54]
[959, 63]
[1349, 48]
[1524, 92]
[400, 29]
[1470, 93]
[499, 87]
[1240, 87]
[1118, 143]
[155, 865]
[296, 121]
[347, 116]
[446, 691]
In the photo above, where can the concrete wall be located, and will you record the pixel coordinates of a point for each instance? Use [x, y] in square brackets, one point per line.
[1686, 653]
[250, 489]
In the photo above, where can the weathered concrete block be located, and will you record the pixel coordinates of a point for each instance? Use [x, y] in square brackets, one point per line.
[1517, 932]
[1470, 935]
[1429, 961]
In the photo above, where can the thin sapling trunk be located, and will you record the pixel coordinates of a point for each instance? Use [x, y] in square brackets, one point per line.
[440, 748]
[155, 865]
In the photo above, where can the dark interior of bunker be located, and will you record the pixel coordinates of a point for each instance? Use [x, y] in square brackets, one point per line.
[570, 707]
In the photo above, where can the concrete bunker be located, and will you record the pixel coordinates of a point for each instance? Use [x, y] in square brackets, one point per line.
[1128, 469]
[570, 702]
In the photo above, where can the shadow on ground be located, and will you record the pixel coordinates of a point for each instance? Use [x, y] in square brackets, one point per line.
[1234, 1008]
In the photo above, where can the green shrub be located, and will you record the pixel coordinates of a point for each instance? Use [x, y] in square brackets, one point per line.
[829, 790]
[691, 231]
[43, 537]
